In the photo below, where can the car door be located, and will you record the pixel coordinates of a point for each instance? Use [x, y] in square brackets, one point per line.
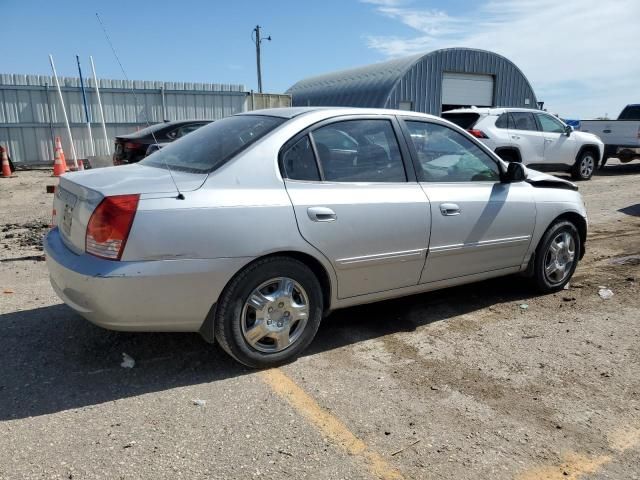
[478, 223]
[559, 149]
[525, 135]
[357, 205]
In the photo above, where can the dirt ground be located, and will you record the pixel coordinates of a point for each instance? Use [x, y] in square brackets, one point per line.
[484, 381]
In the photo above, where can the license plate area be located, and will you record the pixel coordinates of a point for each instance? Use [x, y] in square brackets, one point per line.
[67, 203]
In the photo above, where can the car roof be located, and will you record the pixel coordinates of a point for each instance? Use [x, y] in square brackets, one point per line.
[291, 112]
[493, 110]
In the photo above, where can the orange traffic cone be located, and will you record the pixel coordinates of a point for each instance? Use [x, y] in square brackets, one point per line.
[6, 168]
[58, 168]
[59, 149]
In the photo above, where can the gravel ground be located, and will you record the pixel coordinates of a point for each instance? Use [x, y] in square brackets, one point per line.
[481, 381]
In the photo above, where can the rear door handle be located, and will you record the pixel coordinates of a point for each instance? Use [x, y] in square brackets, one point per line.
[515, 137]
[321, 214]
[449, 209]
[606, 131]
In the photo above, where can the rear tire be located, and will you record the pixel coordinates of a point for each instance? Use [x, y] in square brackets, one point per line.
[256, 318]
[556, 257]
[585, 166]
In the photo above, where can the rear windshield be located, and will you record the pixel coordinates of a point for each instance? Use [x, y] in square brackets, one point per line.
[631, 112]
[147, 131]
[463, 120]
[211, 146]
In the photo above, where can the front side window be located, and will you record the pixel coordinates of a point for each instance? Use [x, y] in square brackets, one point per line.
[299, 162]
[359, 151]
[447, 156]
[211, 146]
[523, 121]
[550, 124]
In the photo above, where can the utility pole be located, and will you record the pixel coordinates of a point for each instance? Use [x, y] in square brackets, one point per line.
[258, 40]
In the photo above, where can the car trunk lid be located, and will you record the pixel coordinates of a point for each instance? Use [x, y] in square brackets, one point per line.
[79, 193]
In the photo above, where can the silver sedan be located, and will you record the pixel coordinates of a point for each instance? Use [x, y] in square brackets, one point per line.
[253, 228]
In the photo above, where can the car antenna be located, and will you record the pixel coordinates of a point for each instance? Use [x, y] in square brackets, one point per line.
[180, 196]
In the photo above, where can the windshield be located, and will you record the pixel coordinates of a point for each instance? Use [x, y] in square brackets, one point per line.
[209, 147]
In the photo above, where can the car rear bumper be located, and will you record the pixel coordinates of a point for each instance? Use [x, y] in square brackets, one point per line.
[157, 295]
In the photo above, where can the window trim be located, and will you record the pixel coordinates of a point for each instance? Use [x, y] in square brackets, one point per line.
[416, 161]
[405, 154]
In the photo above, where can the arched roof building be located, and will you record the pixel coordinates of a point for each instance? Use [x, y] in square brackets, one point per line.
[429, 83]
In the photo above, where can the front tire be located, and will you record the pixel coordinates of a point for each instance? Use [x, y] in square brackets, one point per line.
[556, 257]
[585, 166]
[269, 313]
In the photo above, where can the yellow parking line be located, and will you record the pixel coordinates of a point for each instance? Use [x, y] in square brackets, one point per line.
[330, 426]
[575, 465]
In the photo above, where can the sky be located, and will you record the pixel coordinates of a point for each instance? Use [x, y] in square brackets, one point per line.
[582, 57]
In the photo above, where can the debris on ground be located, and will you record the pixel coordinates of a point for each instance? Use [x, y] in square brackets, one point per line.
[393, 454]
[130, 444]
[524, 306]
[199, 403]
[26, 235]
[7, 290]
[127, 361]
[605, 293]
[632, 260]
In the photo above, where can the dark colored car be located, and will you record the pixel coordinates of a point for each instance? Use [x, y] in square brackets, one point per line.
[133, 147]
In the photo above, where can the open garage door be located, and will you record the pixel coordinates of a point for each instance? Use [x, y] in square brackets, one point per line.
[466, 89]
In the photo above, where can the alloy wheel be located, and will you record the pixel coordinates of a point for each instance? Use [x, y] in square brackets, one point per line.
[587, 165]
[275, 314]
[559, 257]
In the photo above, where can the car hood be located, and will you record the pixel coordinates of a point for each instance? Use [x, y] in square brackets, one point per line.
[544, 180]
[134, 178]
[588, 137]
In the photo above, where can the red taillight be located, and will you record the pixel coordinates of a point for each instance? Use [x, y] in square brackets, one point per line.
[109, 226]
[132, 146]
[477, 133]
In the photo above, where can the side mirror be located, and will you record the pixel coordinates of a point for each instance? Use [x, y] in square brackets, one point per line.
[567, 130]
[515, 173]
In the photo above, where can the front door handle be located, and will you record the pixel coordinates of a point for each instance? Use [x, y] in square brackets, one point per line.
[449, 209]
[321, 214]
[515, 137]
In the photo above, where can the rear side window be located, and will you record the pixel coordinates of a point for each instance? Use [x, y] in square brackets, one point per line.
[359, 151]
[211, 146]
[463, 120]
[504, 121]
[299, 162]
[523, 121]
[630, 112]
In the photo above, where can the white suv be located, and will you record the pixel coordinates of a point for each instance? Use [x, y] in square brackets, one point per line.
[532, 137]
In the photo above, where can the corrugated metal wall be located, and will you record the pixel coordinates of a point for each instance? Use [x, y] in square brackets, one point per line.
[417, 79]
[24, 116]
[422, 83]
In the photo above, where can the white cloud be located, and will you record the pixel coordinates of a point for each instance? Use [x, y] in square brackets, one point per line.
[580, 55]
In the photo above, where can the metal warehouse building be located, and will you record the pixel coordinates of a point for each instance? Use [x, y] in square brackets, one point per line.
[30, 111]
[429, 83]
